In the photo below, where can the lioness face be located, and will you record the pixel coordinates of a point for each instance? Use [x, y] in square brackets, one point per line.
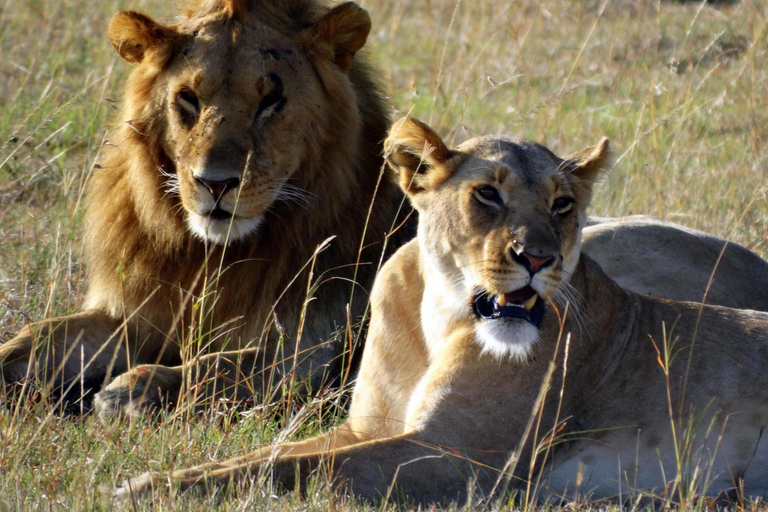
[242, 106]
[500, 220]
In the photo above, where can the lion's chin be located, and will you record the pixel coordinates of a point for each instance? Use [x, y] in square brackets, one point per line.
[222, 232]
[507, 337]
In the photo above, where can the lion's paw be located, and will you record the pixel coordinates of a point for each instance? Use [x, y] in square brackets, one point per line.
[144, 389]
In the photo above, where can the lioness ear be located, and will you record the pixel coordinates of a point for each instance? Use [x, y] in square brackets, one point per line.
[418, 155]
[344, 30]
[132, 33]
[585, 166]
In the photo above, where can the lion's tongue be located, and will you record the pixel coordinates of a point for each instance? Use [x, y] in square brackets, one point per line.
[525, 296]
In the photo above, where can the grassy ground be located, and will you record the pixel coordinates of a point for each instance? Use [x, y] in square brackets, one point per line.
[680, 89]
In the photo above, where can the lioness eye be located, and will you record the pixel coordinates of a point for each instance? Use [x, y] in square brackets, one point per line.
[487, 193]
[189, 105]
[562, 205]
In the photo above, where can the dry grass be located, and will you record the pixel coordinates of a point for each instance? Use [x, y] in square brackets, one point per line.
[679, 88]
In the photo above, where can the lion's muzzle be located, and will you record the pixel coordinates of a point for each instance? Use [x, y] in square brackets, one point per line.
[218, 188]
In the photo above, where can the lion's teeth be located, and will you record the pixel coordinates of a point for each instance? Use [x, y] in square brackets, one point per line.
[530, 302]
[502, 300]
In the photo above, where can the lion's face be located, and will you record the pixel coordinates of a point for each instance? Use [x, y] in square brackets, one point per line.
[235, 130]
[241, 106]
[500, 222]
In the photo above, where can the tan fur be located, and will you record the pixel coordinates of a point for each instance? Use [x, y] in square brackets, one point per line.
[659, 258]
[265, 93]
[434, 409]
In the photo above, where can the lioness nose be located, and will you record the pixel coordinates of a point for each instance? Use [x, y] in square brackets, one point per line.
[218, 188]
[531, 262]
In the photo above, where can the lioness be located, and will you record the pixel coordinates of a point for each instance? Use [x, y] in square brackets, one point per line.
[249, 135]
[497, 350]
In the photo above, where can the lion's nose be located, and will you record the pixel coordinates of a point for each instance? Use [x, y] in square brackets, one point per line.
[218, 188]
[532, 262]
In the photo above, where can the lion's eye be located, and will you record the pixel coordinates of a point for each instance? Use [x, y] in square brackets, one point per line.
[563, 205]
[189, 105]
[488, 194]
[273, 101]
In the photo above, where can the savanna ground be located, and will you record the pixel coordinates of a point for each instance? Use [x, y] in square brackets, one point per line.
[680, 89]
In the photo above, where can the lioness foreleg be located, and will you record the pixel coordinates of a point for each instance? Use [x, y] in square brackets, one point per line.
[230, 470]
[371, 470]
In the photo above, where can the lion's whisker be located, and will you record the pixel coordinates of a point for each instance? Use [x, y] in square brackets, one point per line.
[288, 193]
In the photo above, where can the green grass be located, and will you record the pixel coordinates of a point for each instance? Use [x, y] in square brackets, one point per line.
[680, 89]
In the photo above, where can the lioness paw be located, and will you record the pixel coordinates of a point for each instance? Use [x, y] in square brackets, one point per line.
[136, 487]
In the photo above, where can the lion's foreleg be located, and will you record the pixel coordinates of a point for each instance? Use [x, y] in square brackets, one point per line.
[234, 377]
[80, 348]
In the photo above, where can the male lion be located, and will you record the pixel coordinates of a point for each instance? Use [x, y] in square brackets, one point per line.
[249, 135]
[496, 351]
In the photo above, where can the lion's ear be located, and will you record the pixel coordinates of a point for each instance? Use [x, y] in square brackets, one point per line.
[132, 34]
[418, 155]
[344, 29]
[585, 166]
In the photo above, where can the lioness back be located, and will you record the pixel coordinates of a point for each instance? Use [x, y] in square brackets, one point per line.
[659, 258]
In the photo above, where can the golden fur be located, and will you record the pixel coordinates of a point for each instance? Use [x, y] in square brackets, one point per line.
[443, 399]
[252, 107]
